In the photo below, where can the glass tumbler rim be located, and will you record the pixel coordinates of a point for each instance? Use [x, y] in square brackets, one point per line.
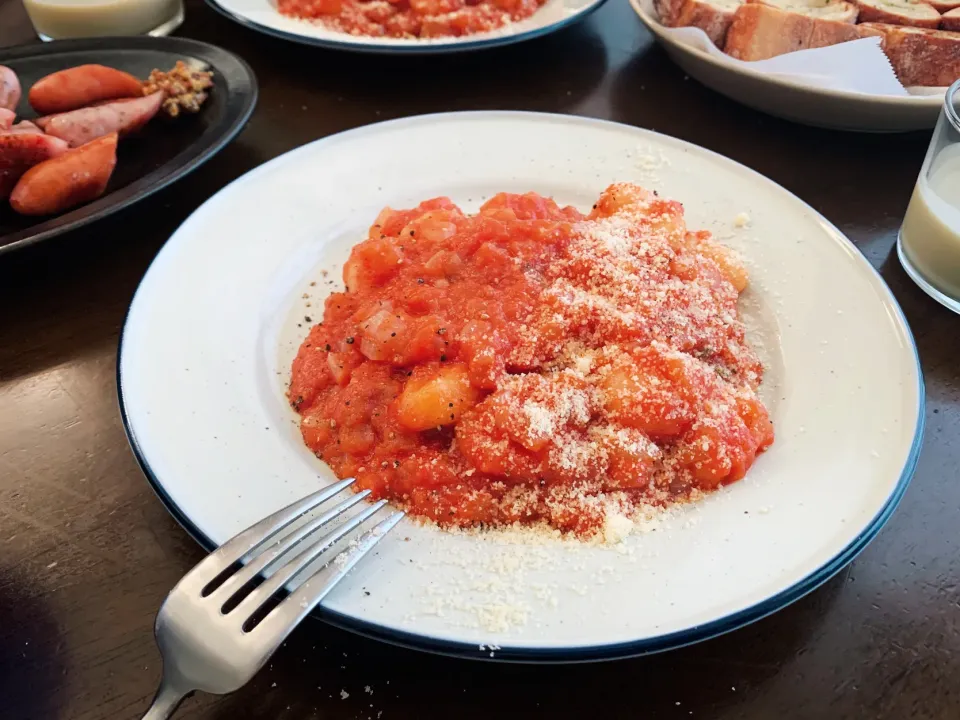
[948, 107]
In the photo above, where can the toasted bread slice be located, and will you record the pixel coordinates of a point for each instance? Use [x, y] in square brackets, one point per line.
[899, 12]
[711, 16]
[836, 10]
[668, 10]
[950, 20]
[929, 58]
[943, 6]
[759, 32]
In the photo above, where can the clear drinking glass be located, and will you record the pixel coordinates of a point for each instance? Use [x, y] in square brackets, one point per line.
[61, 19]
[929, 240]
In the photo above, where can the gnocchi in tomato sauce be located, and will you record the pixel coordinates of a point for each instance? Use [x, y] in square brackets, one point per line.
[411, 18]
[532, 364]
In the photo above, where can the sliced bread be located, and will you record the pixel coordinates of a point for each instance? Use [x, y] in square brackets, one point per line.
[950, 20]
[836, 10]
[759, 32]
[919, 56]
[711, 16]
[943, 6]
[668, 10]
[899, 12]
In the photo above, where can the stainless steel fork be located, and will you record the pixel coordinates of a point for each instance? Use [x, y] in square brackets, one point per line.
[223, 620]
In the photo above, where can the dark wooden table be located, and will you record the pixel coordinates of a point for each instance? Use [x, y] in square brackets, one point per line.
[87, 552]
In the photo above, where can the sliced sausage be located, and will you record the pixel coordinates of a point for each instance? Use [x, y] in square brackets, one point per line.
[121, 116]
[9, 88]
[80, 86]
[76, 177]
[24, 126]
[21, 149]
[6, 119]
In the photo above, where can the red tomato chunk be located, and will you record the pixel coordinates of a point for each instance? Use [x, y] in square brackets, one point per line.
[531, 364]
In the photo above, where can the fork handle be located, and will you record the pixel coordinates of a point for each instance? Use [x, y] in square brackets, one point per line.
[165, 702]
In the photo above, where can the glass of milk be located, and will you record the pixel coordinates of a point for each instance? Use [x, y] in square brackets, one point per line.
[61, 19]
[929, 240]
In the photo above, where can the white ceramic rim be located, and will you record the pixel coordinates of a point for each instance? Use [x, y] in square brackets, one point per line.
[610, 650]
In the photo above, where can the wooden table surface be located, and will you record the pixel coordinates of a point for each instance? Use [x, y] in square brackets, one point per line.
[87, 552]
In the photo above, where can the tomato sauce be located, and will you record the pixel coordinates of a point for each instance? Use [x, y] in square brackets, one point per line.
[533, 364]
[411, 18]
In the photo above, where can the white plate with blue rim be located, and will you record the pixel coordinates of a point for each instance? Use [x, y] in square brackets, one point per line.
[206, 347]
[263, 16]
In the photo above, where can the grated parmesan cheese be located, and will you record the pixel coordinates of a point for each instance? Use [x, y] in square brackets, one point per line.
[619, 385]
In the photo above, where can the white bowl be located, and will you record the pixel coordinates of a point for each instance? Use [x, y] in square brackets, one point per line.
[792, 100]
[205, 353]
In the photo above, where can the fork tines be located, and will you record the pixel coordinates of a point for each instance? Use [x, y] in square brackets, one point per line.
[237, 586]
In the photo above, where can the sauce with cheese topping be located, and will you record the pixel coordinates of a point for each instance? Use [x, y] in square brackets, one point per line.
[411, 18]
[532, 364]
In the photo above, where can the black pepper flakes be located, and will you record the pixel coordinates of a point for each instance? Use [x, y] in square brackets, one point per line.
[443, 358]
[327, 347]
[307, 318]
[419, 281]
[349, 341]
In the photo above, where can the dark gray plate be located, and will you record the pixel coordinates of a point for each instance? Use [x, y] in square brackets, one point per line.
[154, 158]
